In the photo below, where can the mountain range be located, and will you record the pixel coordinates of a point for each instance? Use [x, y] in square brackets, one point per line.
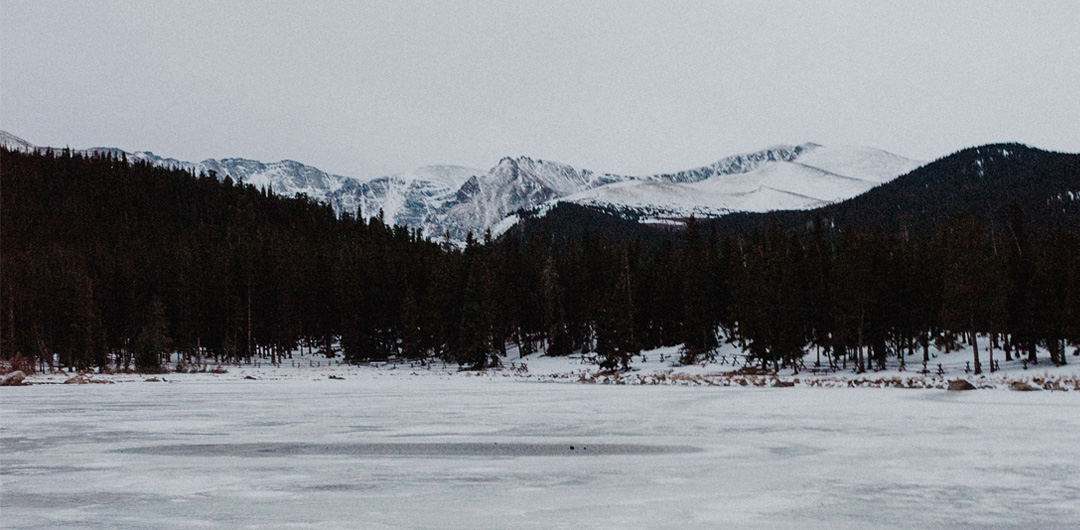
[455, 201]
[989, 182]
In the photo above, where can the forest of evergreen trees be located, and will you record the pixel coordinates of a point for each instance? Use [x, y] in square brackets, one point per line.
[112, 264]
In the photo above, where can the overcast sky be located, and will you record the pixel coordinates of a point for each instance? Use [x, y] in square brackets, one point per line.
[370, 88]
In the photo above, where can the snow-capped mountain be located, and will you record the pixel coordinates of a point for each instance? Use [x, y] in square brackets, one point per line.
[409, 199]
[286, 177]
[778, 178]
[486, 199]
[458, 200]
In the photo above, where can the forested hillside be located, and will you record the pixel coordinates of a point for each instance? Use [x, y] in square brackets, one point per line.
[112, 264]
[984, 181]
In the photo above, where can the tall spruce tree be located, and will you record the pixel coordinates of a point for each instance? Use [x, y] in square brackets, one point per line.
[699, 314]
[615, 340]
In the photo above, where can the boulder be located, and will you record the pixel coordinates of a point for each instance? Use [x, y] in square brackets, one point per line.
[960, 384]
[77, 380]
[13, 379]
[1023, 386]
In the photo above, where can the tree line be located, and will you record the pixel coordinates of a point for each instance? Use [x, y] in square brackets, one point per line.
[116, 264]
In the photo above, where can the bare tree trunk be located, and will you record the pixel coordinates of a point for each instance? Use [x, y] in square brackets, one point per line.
[975, 347]
[901, 342]
[248, 348]
[858, 349]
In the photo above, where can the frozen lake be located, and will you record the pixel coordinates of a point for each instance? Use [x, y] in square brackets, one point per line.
[472, 452]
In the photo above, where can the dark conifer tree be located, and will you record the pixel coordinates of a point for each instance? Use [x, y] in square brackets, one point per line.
[1020, 322]
[477, 347]
[969, 282]
[699, 320]
[152, 342]
[1057, 281]
[615, 340]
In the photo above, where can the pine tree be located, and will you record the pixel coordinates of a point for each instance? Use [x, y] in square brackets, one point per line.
[968, 279]
[615, 342]
[152, 341]
[477, 347]
[699, 315]
[1019, 308]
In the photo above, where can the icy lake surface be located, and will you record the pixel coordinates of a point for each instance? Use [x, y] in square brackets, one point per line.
[461, 452]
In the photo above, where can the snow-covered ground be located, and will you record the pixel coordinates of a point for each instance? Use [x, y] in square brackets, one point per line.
[728, 367]
[384, 448]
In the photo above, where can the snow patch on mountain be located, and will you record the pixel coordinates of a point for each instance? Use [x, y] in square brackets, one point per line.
[14, 143]
[736, 164]
[485, 200]
[864, 163]
[409, 199]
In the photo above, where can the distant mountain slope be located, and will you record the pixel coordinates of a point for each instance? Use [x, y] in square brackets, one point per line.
[456, 200]
[14, 143]
[779, 178]
[285, 178]
[736, 164]
[984, 181]
[405, 198]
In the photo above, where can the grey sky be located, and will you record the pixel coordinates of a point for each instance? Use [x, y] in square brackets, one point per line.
[369, 88]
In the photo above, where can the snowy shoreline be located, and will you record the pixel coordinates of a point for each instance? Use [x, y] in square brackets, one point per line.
[655, 367]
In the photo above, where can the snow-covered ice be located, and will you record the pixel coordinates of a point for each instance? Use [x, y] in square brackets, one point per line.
[386, 449]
